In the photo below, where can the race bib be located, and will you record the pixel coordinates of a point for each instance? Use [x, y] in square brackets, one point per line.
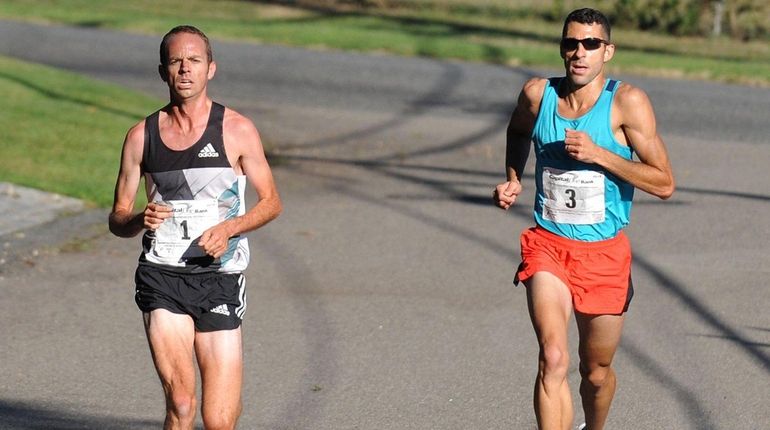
[573, 196]
[177, 237]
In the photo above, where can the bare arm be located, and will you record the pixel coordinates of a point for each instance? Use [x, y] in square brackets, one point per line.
[244, 145]
[635, 116]
[123, 221]
[518, 141]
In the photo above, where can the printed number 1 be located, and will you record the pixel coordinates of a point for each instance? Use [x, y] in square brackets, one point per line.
[571, 203]
[185, 235]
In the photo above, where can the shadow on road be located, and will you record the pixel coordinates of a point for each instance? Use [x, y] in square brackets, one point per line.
[17, 415]
[707, 316]
[686, 399]
[448, 182]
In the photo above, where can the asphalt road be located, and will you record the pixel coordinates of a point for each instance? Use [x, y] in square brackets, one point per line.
[382, 297]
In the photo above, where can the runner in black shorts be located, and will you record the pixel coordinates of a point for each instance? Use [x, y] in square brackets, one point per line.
[196, 158]
[215, 301]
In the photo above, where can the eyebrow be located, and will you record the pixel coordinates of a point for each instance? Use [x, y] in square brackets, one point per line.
[193, 56]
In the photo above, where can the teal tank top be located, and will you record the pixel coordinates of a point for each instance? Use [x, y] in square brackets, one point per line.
[578, 200]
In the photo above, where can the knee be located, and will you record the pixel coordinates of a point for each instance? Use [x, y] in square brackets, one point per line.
[554, 361]
[221, 420]
[596, 376]
[181, 406]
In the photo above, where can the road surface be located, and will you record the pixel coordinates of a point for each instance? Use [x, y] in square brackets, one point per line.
[382, 297]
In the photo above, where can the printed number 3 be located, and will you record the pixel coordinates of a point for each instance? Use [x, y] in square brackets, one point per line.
[571, 203]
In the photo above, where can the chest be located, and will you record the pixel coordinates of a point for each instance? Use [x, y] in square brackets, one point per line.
[177, 139]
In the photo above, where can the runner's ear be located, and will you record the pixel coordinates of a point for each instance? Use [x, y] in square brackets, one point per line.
[609, 52]
[212, 69]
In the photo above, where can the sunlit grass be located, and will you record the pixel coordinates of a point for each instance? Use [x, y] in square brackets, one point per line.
[63, 132]
[516, 32]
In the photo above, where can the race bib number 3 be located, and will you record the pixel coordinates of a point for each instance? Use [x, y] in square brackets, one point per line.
[573, 196]
[177, 237]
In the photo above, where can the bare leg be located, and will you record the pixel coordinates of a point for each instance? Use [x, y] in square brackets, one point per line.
[171, 343]
[599, 338]
[550, 307]
[220, 358]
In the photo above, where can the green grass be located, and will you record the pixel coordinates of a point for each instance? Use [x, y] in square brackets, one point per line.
[63, 132]
[514, 32]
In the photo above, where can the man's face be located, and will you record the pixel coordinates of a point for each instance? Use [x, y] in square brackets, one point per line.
[188, 70]
[581, 63]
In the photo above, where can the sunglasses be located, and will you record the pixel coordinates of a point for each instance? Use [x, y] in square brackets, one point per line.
[589, 43]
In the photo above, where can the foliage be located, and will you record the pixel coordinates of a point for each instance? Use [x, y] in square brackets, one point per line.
[742, 19]
[749, 19]
[745, 20]
[672, 16]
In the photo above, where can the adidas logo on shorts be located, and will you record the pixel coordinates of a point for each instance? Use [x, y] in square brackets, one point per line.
[208, 151]
[221, 309]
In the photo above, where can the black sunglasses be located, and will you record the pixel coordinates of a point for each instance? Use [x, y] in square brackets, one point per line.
[589, 43]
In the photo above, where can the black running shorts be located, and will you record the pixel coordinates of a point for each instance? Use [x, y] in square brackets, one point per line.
[215, 301]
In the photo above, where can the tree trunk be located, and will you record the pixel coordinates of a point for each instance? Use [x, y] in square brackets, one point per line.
[719, 10]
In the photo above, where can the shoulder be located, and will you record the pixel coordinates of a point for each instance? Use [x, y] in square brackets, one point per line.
[533, 89]
[135, 138]
[240, 134]
[136, 131]
[236, 124]
[531, 95]
[632, 108]
[629, 97]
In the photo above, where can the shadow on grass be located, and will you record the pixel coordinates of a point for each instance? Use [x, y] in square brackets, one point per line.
[426, 26]
[414, 26]
[94, 24]
[46, 92]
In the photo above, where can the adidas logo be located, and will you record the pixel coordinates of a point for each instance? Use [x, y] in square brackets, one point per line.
[208, 151]
[221, 309]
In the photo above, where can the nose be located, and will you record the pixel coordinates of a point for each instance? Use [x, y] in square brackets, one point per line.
[581, 50]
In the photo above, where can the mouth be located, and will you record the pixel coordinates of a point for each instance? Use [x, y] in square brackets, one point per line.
[578, 68]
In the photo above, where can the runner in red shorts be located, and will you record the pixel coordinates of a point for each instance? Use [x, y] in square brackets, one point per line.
[586, 129]
[597, 274]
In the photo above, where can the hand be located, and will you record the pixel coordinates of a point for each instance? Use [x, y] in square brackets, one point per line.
[579, 146]
[506, 193]
[214, 241]
[154, 214]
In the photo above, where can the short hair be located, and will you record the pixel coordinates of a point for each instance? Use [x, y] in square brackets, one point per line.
[587, 16]
[182, 29]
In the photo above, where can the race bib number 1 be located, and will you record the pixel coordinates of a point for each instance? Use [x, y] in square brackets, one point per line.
[573, 196]
[177, 237]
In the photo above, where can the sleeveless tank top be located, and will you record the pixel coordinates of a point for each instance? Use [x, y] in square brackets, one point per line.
[203, 189]
[578, 200]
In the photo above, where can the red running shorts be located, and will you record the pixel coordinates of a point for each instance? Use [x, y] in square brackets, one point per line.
[598, 274]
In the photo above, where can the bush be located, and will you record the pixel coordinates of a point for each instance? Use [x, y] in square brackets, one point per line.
[743, 19]
[678, 17]
[748, 19]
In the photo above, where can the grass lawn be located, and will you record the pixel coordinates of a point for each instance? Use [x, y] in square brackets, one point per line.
[513, 32]
[62, 132]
